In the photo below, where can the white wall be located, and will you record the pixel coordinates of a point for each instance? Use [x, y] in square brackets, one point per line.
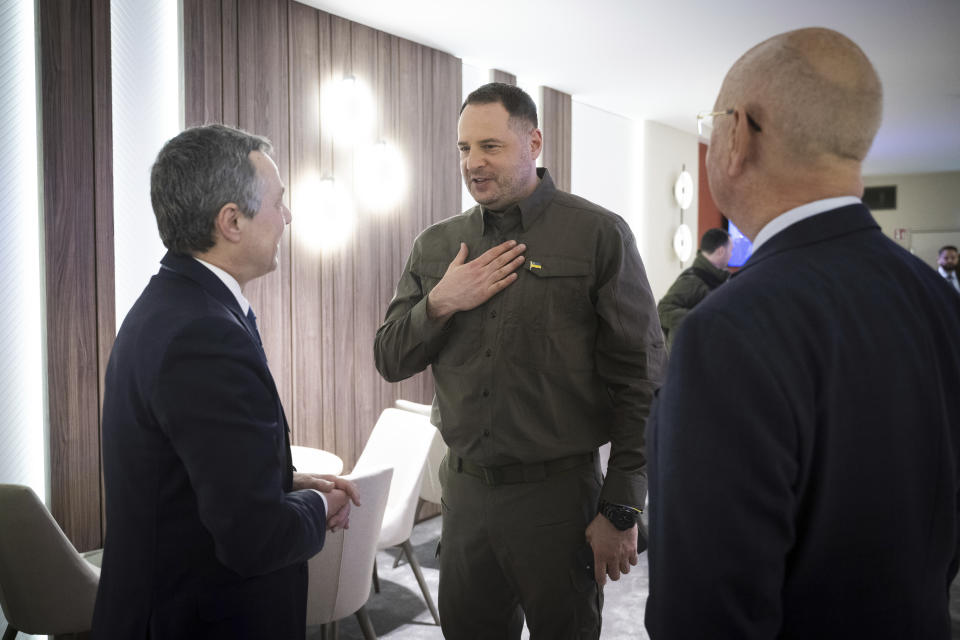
[665, 151]
[926, 203]
[23, 419]
[22, 409]
[145, 59]
[604, 160]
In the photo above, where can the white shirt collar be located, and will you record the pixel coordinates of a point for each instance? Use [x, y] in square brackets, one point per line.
[797, 214]
[943, 272]
[231, 283]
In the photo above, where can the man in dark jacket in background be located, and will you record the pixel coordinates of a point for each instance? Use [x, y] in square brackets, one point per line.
[706, 274]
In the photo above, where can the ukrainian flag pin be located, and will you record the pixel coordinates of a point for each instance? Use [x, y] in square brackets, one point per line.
[533, 264]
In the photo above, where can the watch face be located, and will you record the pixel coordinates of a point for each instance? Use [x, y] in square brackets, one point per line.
[621, 517]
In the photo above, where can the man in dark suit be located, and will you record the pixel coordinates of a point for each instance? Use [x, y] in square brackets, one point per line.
[947, 266]
[208, 528]
[805, 448]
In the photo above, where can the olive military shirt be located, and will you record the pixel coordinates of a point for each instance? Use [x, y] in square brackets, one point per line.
[564, 359]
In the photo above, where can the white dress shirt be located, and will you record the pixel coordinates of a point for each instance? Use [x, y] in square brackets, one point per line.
[795, 215]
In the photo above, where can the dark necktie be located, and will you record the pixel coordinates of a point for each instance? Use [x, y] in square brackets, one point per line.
[252, 323]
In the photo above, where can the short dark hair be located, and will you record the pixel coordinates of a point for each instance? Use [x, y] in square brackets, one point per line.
[195, 174]
[948, 247]
[515, 100]
[713, 239]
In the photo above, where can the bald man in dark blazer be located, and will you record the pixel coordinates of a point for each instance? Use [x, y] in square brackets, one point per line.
[805, 447]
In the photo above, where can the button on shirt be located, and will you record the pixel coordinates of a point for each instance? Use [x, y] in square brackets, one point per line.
[564, 359]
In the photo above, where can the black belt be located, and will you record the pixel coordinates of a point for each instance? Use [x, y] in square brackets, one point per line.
[520, 472]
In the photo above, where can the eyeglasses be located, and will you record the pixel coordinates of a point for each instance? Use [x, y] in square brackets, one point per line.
[705, 119]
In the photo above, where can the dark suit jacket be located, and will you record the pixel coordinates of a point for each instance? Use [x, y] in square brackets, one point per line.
[804, 450]
[204, 537]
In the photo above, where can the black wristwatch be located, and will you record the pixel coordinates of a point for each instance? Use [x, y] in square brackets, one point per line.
[622, 517]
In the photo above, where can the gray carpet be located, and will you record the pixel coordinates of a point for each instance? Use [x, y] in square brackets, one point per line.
[399, 611]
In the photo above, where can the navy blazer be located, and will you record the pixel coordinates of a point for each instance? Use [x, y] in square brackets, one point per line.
[205, 538]
[804, 450]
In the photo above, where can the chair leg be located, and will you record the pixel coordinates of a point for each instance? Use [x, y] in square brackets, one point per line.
[416, 515]
[376, 578]
[323, 632]
[408, 548]
[365, 625]
[334, 630]
[416, 518]
[10, 633]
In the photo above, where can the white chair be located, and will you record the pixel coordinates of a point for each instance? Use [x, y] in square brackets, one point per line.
[430, 486]
[401, 439]
[341, 573]
[414, 407]
[311, 460]
[46, 587]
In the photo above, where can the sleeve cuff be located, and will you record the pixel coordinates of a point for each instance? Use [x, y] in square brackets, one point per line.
[326, 511]
[422, 325]
[627, 490]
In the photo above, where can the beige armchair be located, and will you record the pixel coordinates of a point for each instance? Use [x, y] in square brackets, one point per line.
[46, 587]
[341, 573]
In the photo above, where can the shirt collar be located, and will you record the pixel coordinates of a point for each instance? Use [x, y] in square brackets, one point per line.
[532, 206]
[230, 282]
[797, 214]
[943, 272]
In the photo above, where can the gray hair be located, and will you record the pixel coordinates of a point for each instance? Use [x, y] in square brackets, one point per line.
[195, 175]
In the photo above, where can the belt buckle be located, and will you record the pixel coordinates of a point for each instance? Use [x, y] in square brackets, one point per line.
[490, 476]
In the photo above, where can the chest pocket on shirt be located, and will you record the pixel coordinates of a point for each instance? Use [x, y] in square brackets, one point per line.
[430, 274]
[462, 343]
[556, 293]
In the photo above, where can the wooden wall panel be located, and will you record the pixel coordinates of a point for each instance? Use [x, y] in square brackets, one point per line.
[496, 75]
[708, 215]
[346, 420]
[230, 55]
[366, 381]
[203, 62]
[388, 241]
[332, 300]
[556, 124]
[305, 157]
[325, 357]
[77, 183]
[263, 108]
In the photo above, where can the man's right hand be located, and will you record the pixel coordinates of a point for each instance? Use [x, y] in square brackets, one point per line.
[467, 285]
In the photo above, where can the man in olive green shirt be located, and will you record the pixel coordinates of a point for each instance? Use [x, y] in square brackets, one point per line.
[690, 288]
[534, 312]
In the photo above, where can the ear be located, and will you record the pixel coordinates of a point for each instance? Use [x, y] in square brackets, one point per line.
[536, 143]
[742, 143]
[228, 222]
